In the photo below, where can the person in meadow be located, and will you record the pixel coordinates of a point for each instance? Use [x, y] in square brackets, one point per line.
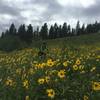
[42, 51]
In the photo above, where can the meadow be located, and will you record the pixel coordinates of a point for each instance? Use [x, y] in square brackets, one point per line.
[69, 71]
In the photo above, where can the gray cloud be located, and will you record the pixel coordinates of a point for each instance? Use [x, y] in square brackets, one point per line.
[93, 10]
[37, 12]
[6, 9]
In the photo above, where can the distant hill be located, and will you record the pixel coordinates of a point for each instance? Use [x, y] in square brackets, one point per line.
[86, 40]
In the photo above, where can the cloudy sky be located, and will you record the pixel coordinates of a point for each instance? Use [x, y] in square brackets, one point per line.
[38, 12]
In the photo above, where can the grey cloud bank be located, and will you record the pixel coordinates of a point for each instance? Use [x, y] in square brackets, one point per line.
[38, 12]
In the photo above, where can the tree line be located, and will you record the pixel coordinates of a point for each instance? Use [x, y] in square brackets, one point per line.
[27, 34]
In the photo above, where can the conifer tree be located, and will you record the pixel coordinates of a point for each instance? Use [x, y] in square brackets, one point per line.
[44, 31]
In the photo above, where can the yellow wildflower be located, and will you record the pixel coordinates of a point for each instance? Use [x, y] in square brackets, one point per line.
[96, 86]
[78, 62]
[86, 97]
[65, 64]
[9, 82]
[26, 83]
[50, 93]
[47, 79]
[93, 69]
[41, 80]
[50, 63]
[61, 73]
[43, 64]
[75, 67]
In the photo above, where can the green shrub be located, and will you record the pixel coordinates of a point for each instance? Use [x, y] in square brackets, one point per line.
[11, 43]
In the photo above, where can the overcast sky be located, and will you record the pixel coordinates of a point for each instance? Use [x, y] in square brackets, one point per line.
[38, 12]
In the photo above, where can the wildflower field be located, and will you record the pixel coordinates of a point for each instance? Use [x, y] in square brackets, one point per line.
[70, 71]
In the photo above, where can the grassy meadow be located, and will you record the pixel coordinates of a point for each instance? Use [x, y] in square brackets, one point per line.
[70, 70]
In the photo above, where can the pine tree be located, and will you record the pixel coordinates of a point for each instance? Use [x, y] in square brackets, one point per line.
[55, 30]
[65, 30]
[73, 32]
[77, 28]
[89, 28]
[37, 31]
[22, 32]
[60, 32]
[29, 34]
[51, 33]
[44, 31]
[12, 30]
[7, 32]
[69, 30]
[83, 29]
[2, 35]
